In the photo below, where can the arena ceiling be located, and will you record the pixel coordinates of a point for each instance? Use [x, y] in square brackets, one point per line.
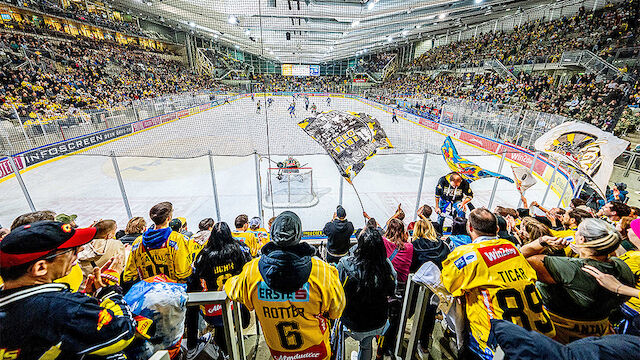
[316, 31]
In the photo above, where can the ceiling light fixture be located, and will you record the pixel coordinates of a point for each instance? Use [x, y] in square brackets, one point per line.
[232, 19]
[247, 32]
[371, 5]
[442, 16]
[477, 1]
[355, 23]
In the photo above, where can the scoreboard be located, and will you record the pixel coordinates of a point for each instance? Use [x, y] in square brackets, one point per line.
[300, 70]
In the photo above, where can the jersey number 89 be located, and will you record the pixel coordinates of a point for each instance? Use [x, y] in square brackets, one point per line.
[534, 304]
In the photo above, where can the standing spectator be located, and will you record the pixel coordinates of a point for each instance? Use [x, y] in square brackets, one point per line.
[40, 317]
[67, 219]
[102, 249]
[453, 193]
[222, 257]
[338, 232]
[32, 217]
[614, 210]
[427, 246]
[159, 250]
[242, 225]
[492, 275]
[400, 252]
[288, 274]
[135, 227]
[184, 230]
[262, 235]
[369, 280]
[199, 240]
[578, 306]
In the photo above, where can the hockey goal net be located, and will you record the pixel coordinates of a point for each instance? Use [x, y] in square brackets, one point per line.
[290, 188]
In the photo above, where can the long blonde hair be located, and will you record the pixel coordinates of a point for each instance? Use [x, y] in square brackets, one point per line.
[424, 229]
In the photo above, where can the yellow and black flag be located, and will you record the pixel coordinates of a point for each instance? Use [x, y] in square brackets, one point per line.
[349, 138]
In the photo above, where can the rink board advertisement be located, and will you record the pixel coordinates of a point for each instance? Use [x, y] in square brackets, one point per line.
[48, 152]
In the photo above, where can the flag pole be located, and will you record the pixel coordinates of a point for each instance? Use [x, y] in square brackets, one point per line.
[356, 191]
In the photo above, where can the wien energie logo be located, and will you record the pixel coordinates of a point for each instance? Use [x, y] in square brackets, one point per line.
[496, 254]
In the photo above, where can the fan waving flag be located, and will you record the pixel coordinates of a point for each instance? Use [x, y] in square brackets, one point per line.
[349, 138]
[584, 147]
[523, 177]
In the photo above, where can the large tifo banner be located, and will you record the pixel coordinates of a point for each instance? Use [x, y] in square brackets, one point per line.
[47, 152]
[349, 138]
[585, 148]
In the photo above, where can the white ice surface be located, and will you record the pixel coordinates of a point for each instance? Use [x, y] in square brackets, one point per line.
[85, 184]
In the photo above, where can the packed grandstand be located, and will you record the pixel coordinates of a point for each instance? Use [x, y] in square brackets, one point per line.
[454, 278]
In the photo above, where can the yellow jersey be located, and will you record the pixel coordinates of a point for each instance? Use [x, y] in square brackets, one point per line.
[171, 259]
[632, 259]
[569, 235]
[249, 239]
[262, 236]
[497, 282]
[74, 279]
[295, 326]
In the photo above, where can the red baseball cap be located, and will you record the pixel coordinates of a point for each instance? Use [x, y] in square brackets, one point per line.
[33, 241]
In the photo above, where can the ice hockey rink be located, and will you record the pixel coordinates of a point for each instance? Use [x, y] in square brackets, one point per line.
[169, 163]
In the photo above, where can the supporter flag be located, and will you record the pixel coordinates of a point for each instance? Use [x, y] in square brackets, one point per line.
[467, 169]
[585, 148]
[349, 138]
[524, 178]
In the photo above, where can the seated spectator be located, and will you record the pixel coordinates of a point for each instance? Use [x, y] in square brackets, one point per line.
[199, 240]
[578, 306]
[135, 227]
[247, 237]
[287, 270]
[459, 234]
[39, 315]
[338, 232]
[222, 257]
[369, 280]
[492, 275]
[160, 250]
[101, 249]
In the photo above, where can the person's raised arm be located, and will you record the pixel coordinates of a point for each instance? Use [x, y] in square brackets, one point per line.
[610, 282]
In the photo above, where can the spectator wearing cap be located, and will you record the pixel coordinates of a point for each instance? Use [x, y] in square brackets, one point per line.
[338, 232]
[75, 326]
[160, 250]
[199, 240]
[577, 305]
[262, 235]
[184, 229]
[247, 237]
[67, 219]
[289, 274]
[101, 249]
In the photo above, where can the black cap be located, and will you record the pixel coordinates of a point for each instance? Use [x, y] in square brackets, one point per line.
[33, 241]
[621, 186]
[341, 212]
[286, 229]
[175, 224]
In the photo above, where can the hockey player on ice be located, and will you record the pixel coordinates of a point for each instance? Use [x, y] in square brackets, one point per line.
[253, 98]
[258, 107]
[328, 100]
[269, 102]
[394, 117]
[314, 109]
[292, 110]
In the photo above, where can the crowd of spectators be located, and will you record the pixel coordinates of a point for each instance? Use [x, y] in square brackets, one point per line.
[52, 77]
[581, 97]
[373, 63]
[541, 41]
[77, 13]
[276, 82]
[567, 274]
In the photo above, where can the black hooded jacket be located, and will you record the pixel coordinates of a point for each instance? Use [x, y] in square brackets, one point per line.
[425, 250]
[286, 269]
[338, 234]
